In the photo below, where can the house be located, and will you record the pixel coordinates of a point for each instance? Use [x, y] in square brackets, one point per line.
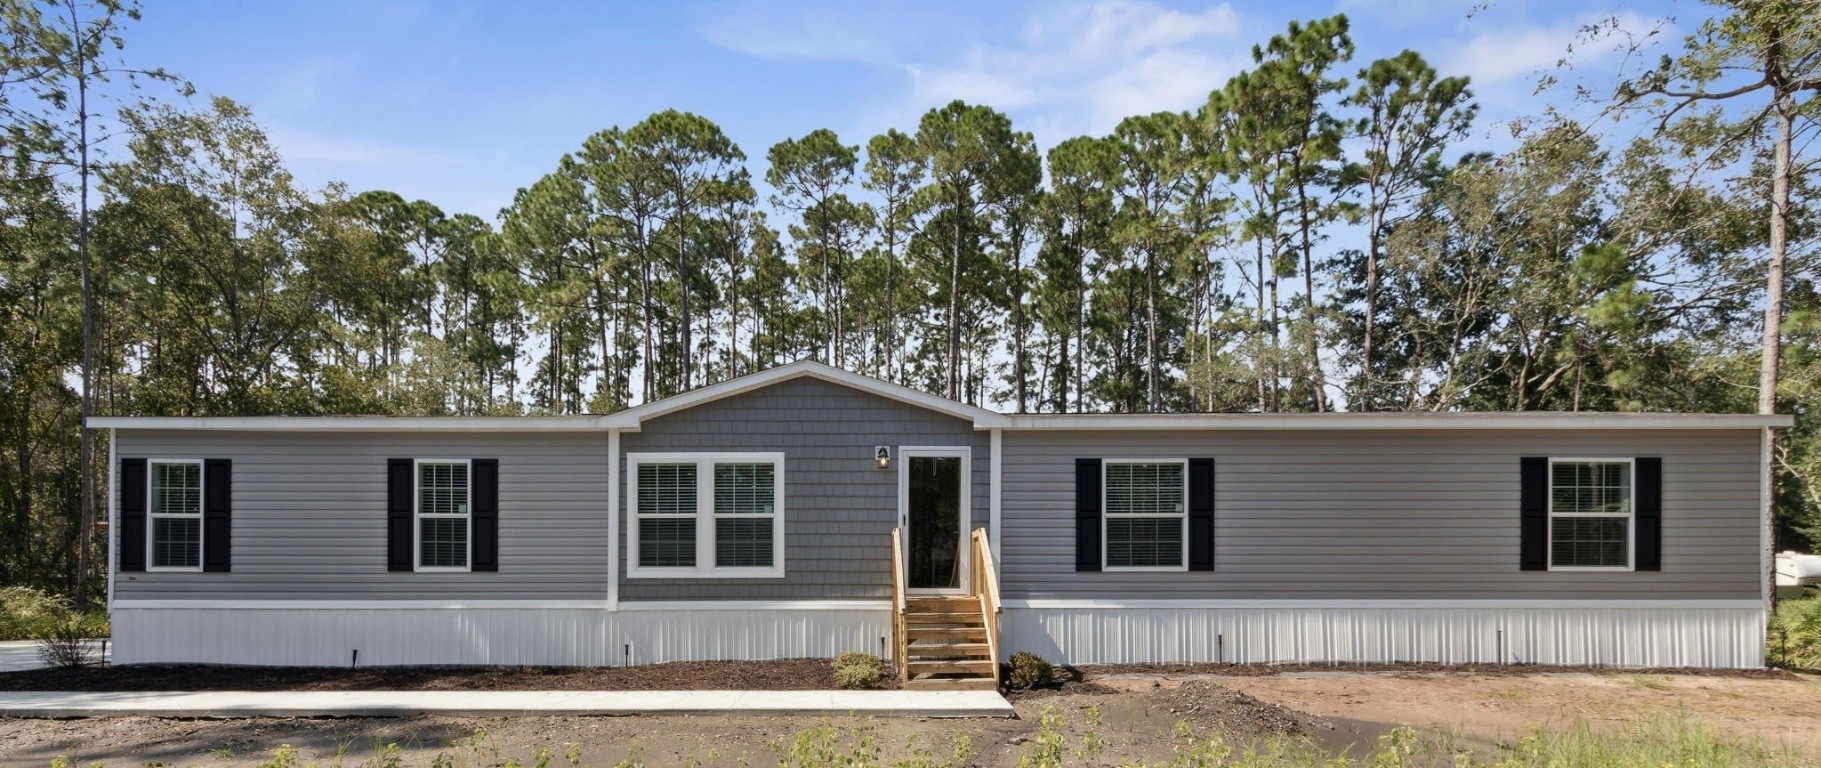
[805, 511]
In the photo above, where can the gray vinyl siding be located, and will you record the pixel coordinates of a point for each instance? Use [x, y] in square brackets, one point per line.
[839, 507]
[1384, 515]
[310, 516]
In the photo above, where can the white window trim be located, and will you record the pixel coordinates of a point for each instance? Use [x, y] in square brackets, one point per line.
[1631, 516]
[151, 527]
[417, 517]
[705, 515]
[1183, 516]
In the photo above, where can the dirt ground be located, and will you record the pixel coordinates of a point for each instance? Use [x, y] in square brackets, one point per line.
[1138, 709]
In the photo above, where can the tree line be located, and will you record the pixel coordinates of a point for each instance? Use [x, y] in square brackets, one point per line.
[1312, 237]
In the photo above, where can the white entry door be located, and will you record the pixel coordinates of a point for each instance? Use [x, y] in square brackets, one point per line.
[934, 510]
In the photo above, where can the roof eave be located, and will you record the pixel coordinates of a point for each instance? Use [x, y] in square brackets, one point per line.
[351, 423]
[1397, 421]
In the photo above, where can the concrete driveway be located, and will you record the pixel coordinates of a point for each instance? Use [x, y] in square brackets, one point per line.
[16, 655]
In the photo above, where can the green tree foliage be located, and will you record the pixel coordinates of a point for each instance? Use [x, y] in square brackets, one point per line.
[1300, 241]
[812, 175]
[1411, 115]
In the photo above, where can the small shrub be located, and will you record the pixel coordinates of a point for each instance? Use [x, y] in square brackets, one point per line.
[64, 641]
[1795, 634]
[858, 671]
[1031, 671]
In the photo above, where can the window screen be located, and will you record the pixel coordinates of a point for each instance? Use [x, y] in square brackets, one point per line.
[706, 515]
[442, 515]
[1144, 515]
[1590, 514]
[743, 500]
[667, 489]
[176, 514]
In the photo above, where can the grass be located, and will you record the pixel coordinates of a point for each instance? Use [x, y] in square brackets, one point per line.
[1669, 742]
[1795, 634]
[1648, 683]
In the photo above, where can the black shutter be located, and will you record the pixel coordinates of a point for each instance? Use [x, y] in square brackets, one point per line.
[1533, 526]
[1087, 514]
[217, 514]
[485, 517]
[1201, 514]
[132, 515]
[1648, 502]
[401, 491]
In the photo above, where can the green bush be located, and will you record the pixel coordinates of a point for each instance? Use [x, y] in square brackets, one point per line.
[30, 614]
[1795, 634]
[1031, 671]
[26, 613]
[858, 671]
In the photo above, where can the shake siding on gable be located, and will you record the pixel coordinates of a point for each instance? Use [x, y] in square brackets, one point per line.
[310, 516]
[1327, 515]
[839, 506]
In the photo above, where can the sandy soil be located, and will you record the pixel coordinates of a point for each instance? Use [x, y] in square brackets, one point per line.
[1139, 711]
[1484, 708]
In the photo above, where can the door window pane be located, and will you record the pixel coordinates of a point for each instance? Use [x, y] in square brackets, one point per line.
[934, 497]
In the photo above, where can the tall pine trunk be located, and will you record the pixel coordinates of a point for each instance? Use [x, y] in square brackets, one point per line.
[1784, 109]
[954, 306]
[1152, 397]
[1302, 214]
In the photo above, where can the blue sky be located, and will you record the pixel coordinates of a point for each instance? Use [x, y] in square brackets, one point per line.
[462, 103]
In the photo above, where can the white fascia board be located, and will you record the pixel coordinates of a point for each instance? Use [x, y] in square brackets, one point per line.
[1394, 421]
[378, 604]
[1381, 604]
[629, 419]
[737, 606]
[354, 423]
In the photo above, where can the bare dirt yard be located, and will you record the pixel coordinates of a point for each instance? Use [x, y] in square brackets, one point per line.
[1136, 712]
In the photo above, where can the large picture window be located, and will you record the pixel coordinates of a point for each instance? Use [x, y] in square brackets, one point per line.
[1146, 515]
[1590, 511]
[443, 517]
[706, 515]
[176, 515]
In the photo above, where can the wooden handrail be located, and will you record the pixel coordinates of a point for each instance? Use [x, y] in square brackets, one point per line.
[900, 641]
[985, 586]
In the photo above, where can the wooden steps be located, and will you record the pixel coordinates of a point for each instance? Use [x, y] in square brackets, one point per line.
[946, 645]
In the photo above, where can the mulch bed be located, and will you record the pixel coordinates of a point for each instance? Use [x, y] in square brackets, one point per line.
[1067, 681]
[788, 675]
[1265, 670]
[791, 675]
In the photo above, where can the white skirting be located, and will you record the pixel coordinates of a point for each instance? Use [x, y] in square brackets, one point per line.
[1630, 634]
[1638, 634]
[490, 636]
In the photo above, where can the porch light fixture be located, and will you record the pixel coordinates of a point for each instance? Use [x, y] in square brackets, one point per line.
[883, 455]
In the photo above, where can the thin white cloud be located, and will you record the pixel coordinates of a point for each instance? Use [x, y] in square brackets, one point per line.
[1085, 67]
[1077, 68]
[808, 30]
[1508, 54]
[348, 151]
[1409, 13]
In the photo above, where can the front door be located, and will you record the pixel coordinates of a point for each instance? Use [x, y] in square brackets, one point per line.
[933, 510]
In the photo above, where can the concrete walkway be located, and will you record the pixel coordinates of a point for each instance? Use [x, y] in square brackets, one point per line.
[503, 703]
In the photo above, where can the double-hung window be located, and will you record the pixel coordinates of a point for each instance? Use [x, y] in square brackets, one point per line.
[705, 515]
[176, 515]
[1145, 514]
[1590, 513]
[443, 517]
